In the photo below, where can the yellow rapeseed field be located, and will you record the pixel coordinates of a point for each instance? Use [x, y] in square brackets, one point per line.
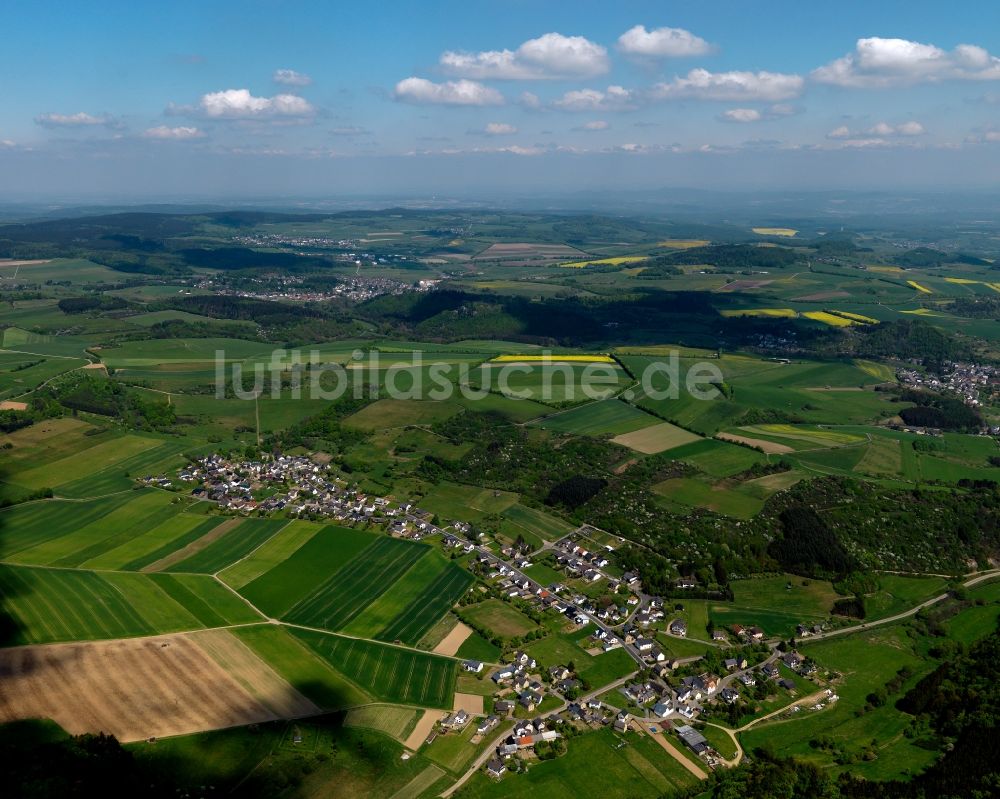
[621, 259]
[553, 358]
[829, 319]
[787, 313]
[775, 231]
[918, 287]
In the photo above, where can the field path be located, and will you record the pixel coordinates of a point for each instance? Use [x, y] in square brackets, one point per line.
[673, 751]
[184, 553]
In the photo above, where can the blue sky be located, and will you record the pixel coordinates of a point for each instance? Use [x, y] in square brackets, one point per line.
[284, 98]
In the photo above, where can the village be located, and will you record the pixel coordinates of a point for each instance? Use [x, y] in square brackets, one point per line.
[542, 704]
[975, 384]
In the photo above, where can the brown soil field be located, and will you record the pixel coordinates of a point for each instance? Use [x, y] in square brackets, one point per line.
[822, 295]
[5, 262]
[470, 703]
[527, 250]
[742, 285]
[770, 447]
[143, 687]
[423, 729]
[453, 640]
[195, 546]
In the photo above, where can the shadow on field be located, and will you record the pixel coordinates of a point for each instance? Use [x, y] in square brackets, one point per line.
[310, 756]
[10, 629]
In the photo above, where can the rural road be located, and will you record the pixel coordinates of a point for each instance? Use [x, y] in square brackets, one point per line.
[490, 750]
[987, 575]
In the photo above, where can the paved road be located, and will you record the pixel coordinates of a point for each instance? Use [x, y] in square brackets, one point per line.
[490, 751]
[987, 575]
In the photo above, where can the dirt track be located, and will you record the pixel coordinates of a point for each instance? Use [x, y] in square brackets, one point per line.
[144, 687]
[770, 447]
[195, 546]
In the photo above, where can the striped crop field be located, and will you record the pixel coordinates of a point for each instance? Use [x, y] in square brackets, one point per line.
[49, 605]
[235, 544]
[392, 674]
[347, 592]
[436, 599]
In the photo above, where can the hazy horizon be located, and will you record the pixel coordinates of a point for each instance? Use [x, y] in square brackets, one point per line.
[304, 99]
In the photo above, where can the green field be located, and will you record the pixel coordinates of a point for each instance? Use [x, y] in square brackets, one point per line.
[49, 605]
[275, 550]
[437, 597]
[280, 588]
[604, 418]
[453, 501]
[392, 674]
[335, 602]
[70, 533]
[302, 668]
[500, 618]
[866, 661]
[538, 522]
[597, 764]
[415, 602]
[231, 547]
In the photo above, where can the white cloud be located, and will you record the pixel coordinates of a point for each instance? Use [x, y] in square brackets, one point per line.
[594, 125]
[548, 57]
[178, 133]
[615, 98]
[701, 84]
[662, 43]
[910, 129]
[530, 101]
[880, 130]
[289, 77]
[452, 92]
[499, 129]
[879, 63]
[78, 120]
[7, 143]
[240, 104]
[742, 115]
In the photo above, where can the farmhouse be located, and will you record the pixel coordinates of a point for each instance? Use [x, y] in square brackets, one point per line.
[473, 666]
[695, 741]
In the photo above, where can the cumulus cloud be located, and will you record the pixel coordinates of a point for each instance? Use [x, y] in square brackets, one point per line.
[289, 77]
[241, 104]
[880, 130]
[593, 125]
[662, 43]
[880, 63]
[530, 101]
[700, 84]
[549, 57]
[453, 92]
[615, 98]
[499, 129]
[179, 133]
[742, 115]
[78, 120]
